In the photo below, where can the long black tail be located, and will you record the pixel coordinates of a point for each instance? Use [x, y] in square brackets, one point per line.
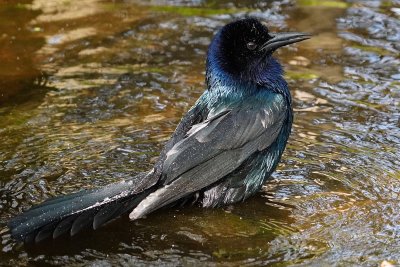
[77, 211]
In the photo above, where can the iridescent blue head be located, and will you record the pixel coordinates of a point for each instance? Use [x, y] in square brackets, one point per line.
[243, 49]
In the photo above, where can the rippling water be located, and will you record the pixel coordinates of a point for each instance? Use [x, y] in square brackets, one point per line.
[90, 90]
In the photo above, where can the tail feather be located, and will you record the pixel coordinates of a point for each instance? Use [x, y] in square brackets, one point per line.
[75, 212]
[117, 209]
[64, 226]
[37, 210]
[82, 221]
[45, 232]
[106, 214]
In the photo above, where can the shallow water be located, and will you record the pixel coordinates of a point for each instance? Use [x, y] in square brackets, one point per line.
[90, 90]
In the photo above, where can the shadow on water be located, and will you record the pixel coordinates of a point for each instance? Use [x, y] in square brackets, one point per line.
[199, 236]
[122, 73]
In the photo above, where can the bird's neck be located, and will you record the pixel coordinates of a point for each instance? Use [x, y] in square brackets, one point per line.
[266, 78]
[225, 92]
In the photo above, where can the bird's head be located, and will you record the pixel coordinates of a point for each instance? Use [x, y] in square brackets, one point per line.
[244, 47]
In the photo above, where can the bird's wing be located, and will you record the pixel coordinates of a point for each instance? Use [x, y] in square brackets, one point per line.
[214, 148]
[197, 114]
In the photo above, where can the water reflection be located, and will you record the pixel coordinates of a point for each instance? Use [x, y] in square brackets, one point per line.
[18, 43]
[333, 200]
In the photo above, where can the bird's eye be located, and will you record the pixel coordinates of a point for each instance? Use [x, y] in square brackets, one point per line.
[251, 45]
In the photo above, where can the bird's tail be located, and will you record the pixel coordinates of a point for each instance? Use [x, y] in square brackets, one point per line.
[77, 211]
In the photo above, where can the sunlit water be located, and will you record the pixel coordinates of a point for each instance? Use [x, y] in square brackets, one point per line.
[90, 90]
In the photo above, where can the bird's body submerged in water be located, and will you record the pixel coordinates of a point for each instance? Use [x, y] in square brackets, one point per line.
[222, 151]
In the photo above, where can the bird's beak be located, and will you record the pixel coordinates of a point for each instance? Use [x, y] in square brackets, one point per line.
[282, 39]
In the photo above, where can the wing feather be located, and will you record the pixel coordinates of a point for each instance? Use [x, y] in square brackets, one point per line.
[213, 149]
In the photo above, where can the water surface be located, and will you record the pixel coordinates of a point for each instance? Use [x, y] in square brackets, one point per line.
[90, 90]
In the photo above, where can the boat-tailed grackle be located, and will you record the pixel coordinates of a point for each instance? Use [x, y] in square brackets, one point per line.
[223, 150]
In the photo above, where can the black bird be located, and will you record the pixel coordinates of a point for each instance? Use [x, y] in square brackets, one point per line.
[222, 152]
